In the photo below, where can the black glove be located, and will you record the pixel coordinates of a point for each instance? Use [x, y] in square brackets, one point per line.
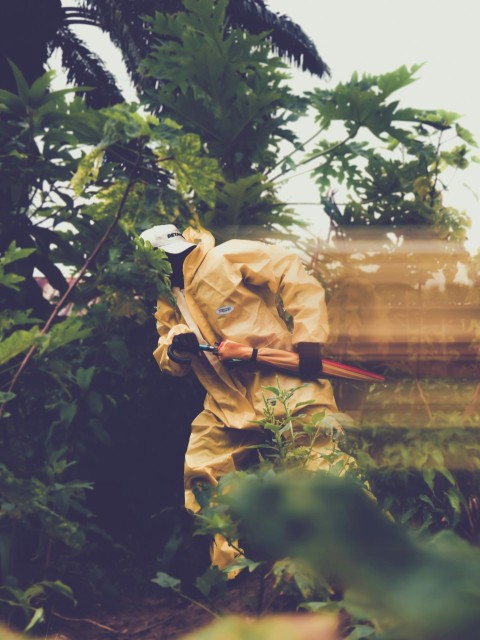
[310, 360]
[185, 343]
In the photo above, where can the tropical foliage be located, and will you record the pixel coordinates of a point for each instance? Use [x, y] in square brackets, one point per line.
[49, 26]
[240, 123]
[88, 424]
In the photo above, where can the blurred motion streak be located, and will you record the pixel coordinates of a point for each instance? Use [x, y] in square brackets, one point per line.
[407, 304]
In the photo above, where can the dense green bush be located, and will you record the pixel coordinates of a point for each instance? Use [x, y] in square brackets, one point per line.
[308, 522]
[92, 435]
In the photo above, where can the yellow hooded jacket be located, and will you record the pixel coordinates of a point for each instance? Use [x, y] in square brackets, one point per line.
[231, 291]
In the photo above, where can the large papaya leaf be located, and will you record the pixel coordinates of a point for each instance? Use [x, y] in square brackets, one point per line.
[17, 343]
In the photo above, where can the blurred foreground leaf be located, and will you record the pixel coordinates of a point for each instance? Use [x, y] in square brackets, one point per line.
[411, 590]
[280, 627]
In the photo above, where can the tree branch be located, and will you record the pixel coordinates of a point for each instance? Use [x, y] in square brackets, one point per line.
[319, 154]
[76, 280]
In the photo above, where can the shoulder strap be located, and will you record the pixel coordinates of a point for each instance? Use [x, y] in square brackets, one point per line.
[185, 311]
[187, 316]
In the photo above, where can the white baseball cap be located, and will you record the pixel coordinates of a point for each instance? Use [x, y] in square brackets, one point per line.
[166, 237]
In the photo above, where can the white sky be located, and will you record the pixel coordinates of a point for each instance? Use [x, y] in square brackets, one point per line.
[375, 36]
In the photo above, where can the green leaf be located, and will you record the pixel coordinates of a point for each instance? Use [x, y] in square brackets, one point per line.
[84, 377]
[337, 468]
[63, 333]
[203, 493]
[95, 402]
[318, 417]
[211, 579]
[243, 563]
[392, 81]
[360, 632]
[465, 135]
[10, 280]
[22, 85]
[274, 390]
[302, 404]
[38, 616]
[191, 168]
[423, 498]
[11, 102]
[12, 254]
[117, 348]
[18, 342]
[12, 318]
[39, 88]
[68, 413]
[60, 587]
[99, 431]
[448, 475]
[429, 477]
[6, 396]
[88, 169]
[298, 572]
[454, 500]
[166, 581]
[438, 458]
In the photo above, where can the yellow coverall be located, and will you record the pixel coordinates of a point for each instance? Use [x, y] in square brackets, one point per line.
[231, 292]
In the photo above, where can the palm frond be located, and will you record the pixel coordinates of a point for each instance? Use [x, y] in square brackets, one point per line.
[287, 37]
[121, 19]
[84, 68]
[79, 15]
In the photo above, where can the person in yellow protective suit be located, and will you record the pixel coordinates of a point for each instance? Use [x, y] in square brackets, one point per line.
[231, 291]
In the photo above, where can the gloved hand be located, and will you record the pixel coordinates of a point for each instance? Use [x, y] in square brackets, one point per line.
[185, 343]
[310, 360]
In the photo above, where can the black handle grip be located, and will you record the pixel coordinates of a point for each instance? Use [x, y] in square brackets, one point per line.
[178, 359]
